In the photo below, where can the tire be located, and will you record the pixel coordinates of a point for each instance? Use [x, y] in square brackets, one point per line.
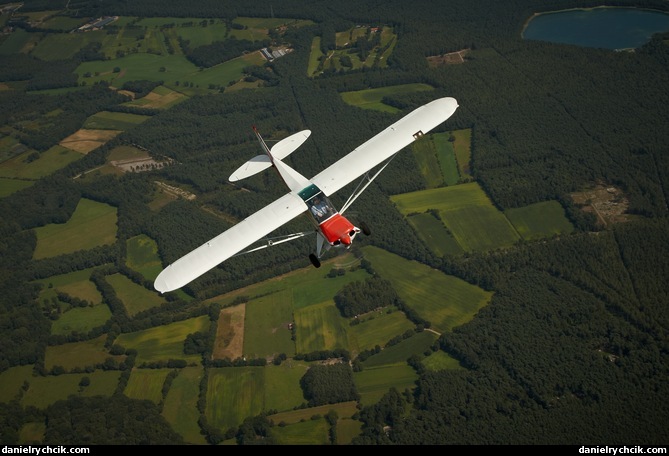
[365, 229]
[315, 261]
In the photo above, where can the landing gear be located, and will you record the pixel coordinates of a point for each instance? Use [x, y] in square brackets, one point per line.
[315, 261]
[365, 229]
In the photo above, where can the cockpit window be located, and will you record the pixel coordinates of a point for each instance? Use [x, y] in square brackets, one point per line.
[321, 208]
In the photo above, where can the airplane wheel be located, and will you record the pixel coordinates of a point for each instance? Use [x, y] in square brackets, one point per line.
[315, 261]
[365, 229]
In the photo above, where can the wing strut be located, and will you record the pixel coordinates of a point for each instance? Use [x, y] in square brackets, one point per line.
[358, 191]
[270, 242]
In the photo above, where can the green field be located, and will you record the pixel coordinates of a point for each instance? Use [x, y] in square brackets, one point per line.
[44, 391]
[106, 120]
[163, 343]
[320, 327]
[78, 354]
[467, 212]
[435, 234]
[399, 353]
[373, 383]
[81, 319]
[32, 432]
[371, 98]
[180, 407]
[135, 297]
[76, 284]
[282, 389]
[445, 301]
[377, 330]
[146, 384]
[11, 381]
[92, 224]
[440, 360]
[24, 167]
[267, 332]
[446, 156]
[143, 256]
[540, 220]
[424, 150]
[234, 393]
[175, 70]
[463, 153]
[314, 55]
[310, 432]
[9, 186]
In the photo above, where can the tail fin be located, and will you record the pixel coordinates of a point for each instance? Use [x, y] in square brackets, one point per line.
[279, 151]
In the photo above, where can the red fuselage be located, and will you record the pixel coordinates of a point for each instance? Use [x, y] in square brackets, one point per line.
[337, 229]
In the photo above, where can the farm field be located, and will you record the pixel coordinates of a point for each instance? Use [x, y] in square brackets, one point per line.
[372, 98]
[44, 391]
[26, 166]
[445, 301]
[81, 319]
[92, 224]
[135, 297]
[106, 120]
[467, 213]
[165, 342]
[79, 354]
[143, 256]
[377, 328]
[373, 383]
[9, 186]
[146, 384]
[400, 352]
[540, 220]
[12, 379]
[180, 407]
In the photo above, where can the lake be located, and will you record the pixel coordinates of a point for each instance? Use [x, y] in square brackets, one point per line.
[607, 28]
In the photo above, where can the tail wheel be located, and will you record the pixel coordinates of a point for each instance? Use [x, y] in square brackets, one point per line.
[315, 261]
[365, 229]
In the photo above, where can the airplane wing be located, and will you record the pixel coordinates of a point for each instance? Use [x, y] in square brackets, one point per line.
[385, 144]
[229, 243]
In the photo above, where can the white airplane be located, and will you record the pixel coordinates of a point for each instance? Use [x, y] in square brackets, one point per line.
[332, 228]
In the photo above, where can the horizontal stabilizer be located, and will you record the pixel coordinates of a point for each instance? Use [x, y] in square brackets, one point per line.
[288, 145]
[251, 167]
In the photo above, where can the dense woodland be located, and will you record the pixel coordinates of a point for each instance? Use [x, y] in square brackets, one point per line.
[573, 348]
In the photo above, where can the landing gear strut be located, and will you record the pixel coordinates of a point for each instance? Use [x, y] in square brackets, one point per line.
[315, 261]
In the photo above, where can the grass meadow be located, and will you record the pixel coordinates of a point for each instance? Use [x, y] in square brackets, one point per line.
[180, 406]
[435, 234]
[463, 153]
[76, 284]
[81, 319]
[540, 220]
[165, 342]
[78, 354]
[282, 389]
[445, 301]
[44, 391]
[159, 98]
[143, 256]
[11, 381]
[234, 393]
[441, 360]
[135, 297]
[371, 98]
[399, 353]
[377, 328]
[425, 152]
[310, 432]
[343, 409]
[106, 120]
[9, 186]
[467, 213]
[320, 327]
[92, 224]
[314, 56]
[448, 163]
[50, 161]
[374, 382]
[146, 384]
[268, 331]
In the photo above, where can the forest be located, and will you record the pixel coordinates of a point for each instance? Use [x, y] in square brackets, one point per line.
[574, 346]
